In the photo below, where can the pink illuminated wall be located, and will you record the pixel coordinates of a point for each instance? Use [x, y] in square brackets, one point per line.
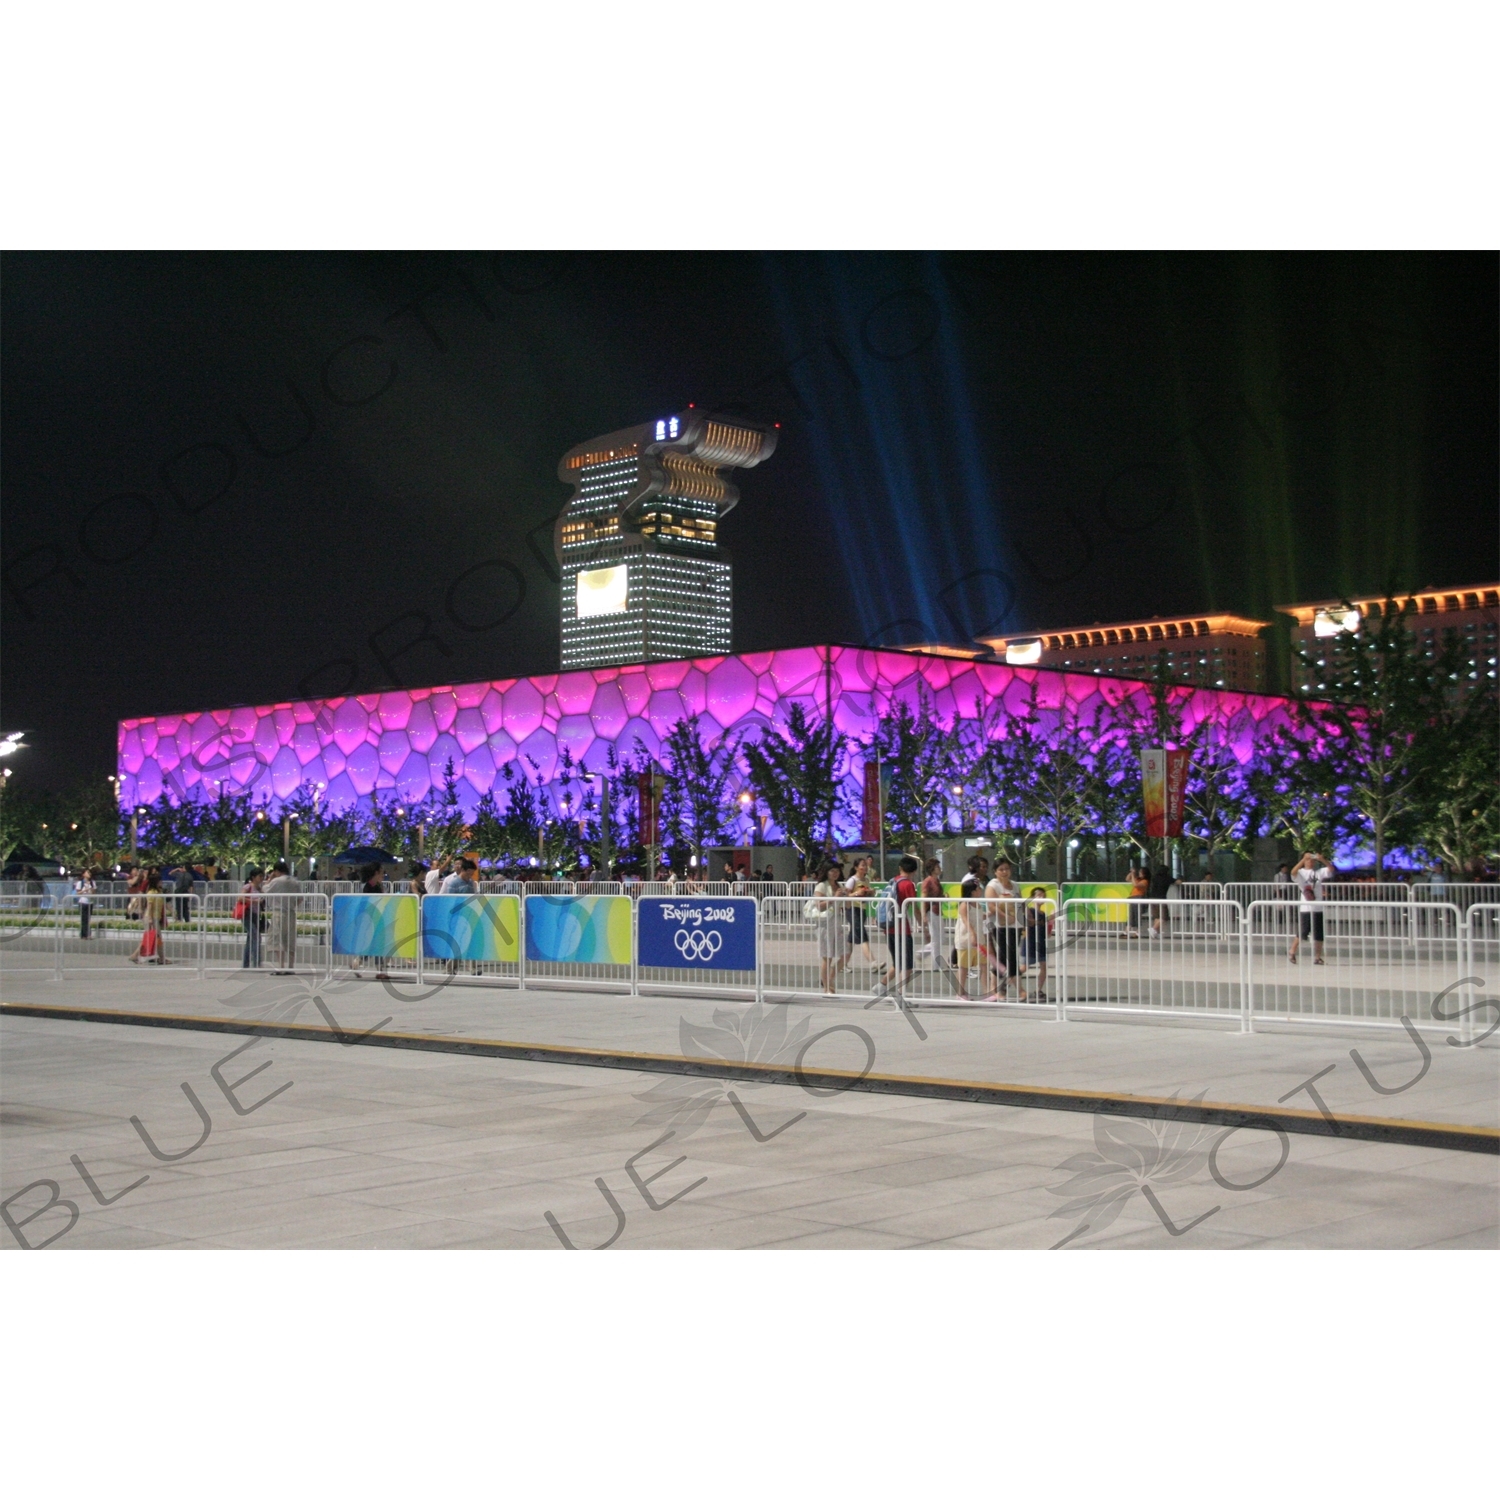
[398, 742]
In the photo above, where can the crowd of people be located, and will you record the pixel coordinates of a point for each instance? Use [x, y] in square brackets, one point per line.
[998, 941]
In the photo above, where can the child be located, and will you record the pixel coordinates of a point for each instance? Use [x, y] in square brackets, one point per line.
[1038, 924]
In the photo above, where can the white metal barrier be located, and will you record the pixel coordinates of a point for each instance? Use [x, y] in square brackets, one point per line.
[829, 945]
[703, 944]
[1381, 961]
[993, 949]
[1353, 961]
[30, 935]
[148, 928]
[578, 942]
[1153, 957]
[283, 931]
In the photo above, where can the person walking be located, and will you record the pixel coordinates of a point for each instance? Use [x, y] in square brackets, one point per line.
[899, 935]
[248, 910]
[182, 889]
[1140, 889]
[858, 888]
[1311, 875]
[932, 910]
[153, 921]
[462, 881]
[1162, 881]
[281, 910]
[1003, 902]
[833, 935]
[83, 891]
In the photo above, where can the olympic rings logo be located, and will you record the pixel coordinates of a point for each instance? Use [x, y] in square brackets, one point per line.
[697, 947]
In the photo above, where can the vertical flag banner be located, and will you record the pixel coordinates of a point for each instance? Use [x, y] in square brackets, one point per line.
[1164, 787]
[870, 820]
[650, 785]
[1154, 790]
[1177, 769]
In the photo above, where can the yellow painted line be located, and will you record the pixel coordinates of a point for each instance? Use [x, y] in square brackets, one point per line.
[680, 1063]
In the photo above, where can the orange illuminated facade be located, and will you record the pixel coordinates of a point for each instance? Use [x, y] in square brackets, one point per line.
[1220, 651]
[1472, 612]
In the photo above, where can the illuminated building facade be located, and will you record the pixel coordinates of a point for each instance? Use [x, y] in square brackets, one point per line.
[1218, 651]
[396, 745]
[1472, 612]
[643, 575]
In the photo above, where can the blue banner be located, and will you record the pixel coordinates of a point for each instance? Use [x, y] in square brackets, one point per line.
[697, 932]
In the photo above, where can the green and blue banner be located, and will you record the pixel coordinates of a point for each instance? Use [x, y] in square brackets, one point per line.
[578, 929]
[383, 926]
[476, 929]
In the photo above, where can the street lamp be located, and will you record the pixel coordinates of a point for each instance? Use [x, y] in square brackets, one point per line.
[12, 742]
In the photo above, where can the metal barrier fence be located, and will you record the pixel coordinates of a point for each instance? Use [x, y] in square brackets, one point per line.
[1378, 961]
[29, 935]
[1152, 957]
[578, 942]
[285, 932]
[1351, 962]
[834, 945]
[378, 933]
[707, 944]
[152, 928]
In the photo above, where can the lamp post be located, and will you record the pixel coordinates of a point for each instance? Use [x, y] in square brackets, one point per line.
[286, 838]
[747, 805]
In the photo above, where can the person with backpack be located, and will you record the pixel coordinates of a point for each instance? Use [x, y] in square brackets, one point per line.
[899, 935]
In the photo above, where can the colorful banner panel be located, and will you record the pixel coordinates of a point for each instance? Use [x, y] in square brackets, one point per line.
[1108, 900]
[697, 932]
[578, 929]
[375, 926]
[477, 929]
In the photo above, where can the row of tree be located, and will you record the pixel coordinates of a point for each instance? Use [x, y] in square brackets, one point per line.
[1399, 756]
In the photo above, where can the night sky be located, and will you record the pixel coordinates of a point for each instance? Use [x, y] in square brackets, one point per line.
[244, 478]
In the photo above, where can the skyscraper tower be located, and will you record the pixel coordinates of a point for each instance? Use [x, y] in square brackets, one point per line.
[643, 575]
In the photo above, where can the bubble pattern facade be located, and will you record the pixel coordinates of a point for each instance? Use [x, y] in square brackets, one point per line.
[397, 743]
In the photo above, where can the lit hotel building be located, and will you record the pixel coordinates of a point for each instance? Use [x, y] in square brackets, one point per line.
[643, 575]
[1472, 612]
[1216, 651]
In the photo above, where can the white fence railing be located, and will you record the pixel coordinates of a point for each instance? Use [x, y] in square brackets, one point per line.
[1275, 961]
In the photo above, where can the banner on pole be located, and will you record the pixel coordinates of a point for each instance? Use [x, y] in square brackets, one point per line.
[1164, 787]
[869, 830]
[650, 784]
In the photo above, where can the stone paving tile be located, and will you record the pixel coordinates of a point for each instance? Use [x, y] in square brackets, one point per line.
[375, 1147]
[1487, 1238]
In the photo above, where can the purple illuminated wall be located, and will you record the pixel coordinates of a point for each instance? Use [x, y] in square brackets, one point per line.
[399, 742]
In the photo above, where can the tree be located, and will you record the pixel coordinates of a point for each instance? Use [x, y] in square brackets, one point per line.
[915, 757]
[696, 799]
[1218, 798]
[1051, 762]
[1294, 792]
[796, 776]
[1458, 813]
[1380, 695]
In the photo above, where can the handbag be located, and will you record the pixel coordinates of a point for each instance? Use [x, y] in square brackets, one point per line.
[148, 943]
[812, 911]
[239, 911]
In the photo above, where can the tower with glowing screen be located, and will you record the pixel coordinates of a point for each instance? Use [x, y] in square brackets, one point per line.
[643, 575]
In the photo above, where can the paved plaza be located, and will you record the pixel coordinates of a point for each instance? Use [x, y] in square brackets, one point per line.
[376, 1147]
